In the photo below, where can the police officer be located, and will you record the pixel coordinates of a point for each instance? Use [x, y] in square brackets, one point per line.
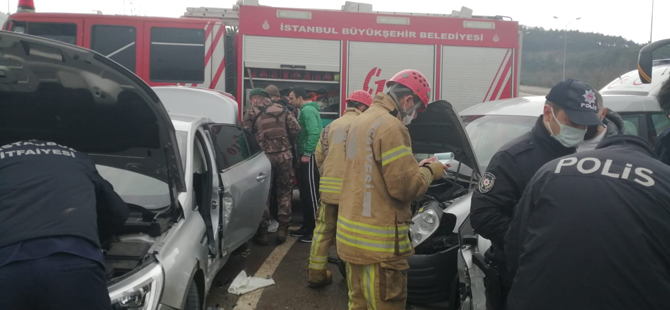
[662, 145]
[55, 210]
[592, 232]
[330, 159]
[612, 125]
[275, 128]
[381, 178]
[571, 106]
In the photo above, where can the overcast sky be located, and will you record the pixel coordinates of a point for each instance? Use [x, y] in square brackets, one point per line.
[629, 19]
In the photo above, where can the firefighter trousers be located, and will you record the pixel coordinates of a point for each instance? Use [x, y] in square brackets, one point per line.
[381, 286]
[324, 237]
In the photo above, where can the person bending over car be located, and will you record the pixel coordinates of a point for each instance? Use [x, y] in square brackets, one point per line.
[612, 124]
[571, 106]
[53, 207]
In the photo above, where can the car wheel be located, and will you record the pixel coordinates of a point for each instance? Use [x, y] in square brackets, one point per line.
[193, 298]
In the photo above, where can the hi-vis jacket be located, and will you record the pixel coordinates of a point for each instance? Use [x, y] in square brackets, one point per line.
[381, 178]
[330, 157]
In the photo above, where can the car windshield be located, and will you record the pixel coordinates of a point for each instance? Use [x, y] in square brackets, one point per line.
[139, 189]
[488, 133]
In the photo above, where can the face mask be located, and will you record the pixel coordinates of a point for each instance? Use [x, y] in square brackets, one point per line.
[569, 136]
[408, 116]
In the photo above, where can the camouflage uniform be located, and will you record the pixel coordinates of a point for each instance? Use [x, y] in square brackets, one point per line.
[277, 149]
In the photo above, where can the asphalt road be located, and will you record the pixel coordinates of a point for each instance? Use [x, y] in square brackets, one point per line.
[287, 265]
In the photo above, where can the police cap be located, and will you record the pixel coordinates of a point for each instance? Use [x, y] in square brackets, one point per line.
[578, 100]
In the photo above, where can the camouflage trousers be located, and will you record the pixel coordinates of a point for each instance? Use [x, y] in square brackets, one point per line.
[282, 186]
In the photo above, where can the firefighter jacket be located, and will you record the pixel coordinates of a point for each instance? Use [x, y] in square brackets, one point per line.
[310, 122]
[381, 179]
[274, 126]
[330, 156]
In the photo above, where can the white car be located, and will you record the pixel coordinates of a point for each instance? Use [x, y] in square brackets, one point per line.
[491, 125]
[196, 186]
[444, 241]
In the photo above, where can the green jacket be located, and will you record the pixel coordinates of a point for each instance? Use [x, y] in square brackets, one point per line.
[310, 122]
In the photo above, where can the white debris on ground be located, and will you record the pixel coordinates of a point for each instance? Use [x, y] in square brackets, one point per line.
[244, 284]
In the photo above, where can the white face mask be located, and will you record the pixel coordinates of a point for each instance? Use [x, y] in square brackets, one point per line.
[568, 136]
[409, 115]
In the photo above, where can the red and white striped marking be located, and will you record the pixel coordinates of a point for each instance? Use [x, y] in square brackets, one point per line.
[501, 81]
[215, 61]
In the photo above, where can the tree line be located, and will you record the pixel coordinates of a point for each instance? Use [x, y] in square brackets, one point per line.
[594, 58]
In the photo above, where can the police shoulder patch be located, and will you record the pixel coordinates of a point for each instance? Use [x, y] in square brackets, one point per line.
[486, 183]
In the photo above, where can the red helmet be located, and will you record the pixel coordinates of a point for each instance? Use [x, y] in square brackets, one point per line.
[361, 96]
[415, 81]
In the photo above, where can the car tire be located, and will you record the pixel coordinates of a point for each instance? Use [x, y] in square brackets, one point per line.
[193, 298]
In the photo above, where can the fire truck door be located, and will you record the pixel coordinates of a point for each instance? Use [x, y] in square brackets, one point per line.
[472, 75]
[372, 64]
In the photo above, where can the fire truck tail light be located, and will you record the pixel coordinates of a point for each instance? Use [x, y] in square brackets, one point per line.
[391, 20]
[294, 14]
[26, 6]
[478, 24]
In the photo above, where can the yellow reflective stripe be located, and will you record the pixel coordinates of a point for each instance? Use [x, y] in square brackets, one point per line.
[316, 266]
[318, 232]
[319, 147]
[395, 154]
[333, 183]
[370, 230]
[315, 258]
[331, 191]
[330, 188]
[369, 287]
[373, 245]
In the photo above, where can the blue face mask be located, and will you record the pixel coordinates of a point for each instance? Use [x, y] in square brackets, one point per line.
[568, 136]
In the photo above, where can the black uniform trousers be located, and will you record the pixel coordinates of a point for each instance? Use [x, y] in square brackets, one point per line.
[56, 282]
[308, 181]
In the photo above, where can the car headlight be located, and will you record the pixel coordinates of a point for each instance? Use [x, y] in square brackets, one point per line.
[425, 222]
[140, 291]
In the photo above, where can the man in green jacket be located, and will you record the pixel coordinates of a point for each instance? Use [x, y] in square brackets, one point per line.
[308, 175]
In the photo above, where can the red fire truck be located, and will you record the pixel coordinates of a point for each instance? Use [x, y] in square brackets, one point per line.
[468, 59]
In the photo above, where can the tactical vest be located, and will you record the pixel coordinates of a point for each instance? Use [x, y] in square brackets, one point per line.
[270, 128]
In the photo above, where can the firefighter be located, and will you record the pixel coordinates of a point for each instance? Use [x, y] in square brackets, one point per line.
[592, 232]
[56, 211]
[570, 108]
[381, 178]
[330, 161]
[612, 125]
[275, 128]
[662, 145]
[308, 178]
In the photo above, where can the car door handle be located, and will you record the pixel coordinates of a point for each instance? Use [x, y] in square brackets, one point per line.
[261, 176]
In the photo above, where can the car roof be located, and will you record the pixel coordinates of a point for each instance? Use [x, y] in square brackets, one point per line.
[532, 105]
[198, 102]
